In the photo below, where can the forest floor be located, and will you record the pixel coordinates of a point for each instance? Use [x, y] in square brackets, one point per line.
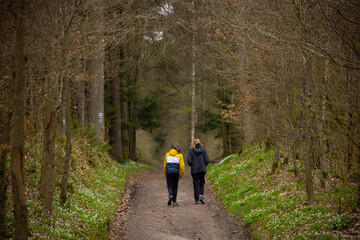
[144, 213]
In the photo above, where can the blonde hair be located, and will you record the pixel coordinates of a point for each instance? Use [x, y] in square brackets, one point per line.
[196, 141]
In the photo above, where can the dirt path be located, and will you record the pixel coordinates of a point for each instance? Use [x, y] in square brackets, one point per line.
[144, 213]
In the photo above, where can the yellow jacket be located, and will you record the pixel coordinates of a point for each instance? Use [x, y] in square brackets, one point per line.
[174, 163]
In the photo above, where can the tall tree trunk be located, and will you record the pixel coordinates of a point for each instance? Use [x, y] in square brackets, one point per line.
[124, 119]
[358, 198]
[67, 98]
[323, 147]
[308, 143]
[65, 172]
[48, 167]
[47, 181]
[132, 104]
[323, 150]
[349, 116]
[4, 142]
[18, 129]
[97, 71]
[115, 83]
[132, 155]
[5, 131]
[193, 99]
[357, 119]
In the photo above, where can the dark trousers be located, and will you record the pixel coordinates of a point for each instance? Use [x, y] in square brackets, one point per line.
[172, 183]
[198, 181]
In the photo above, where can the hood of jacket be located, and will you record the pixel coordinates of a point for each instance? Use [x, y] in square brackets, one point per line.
[198, 150]
[173, 152]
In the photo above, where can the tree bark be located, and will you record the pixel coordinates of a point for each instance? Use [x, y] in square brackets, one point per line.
[47, 184]
[358, 199]
[4, 141]
[286, 158]
[97, 71]
[132, 104]
[47, 181]
[323, 150]
[5, 131]
[193, 72]
[308, 143]
[67, 96]
[268, 143]
[132, 155]
[18, 130]
[349, 116]
[115, 83]
[276, 158]
[124, 120]
[193, 99]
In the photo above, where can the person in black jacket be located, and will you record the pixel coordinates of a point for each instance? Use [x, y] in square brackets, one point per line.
[198, 159]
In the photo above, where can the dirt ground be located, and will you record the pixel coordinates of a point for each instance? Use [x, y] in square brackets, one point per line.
[144, 213]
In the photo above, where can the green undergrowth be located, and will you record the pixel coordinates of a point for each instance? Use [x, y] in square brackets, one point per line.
[274, 205]
[95, 186]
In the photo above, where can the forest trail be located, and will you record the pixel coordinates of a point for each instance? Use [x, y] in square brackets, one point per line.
[144, 213]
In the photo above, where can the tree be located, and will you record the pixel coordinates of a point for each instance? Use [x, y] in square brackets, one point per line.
[193, 74]
[47, 181]
[17, 131]
[97, 69]
[115, 55]
[6, 104]
[67, 100]
[298, 76]
[5, 119]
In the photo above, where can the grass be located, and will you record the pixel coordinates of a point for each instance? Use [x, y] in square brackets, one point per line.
[274, 205]
[95, 187]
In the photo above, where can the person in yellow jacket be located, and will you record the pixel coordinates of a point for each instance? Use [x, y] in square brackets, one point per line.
[174, 169]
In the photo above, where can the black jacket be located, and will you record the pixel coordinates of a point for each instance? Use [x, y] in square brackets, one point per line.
[198, 159]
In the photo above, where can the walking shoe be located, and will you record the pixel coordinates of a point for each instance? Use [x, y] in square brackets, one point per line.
[202, 199]
[175, 204]
[170, 200]
[196, 202]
